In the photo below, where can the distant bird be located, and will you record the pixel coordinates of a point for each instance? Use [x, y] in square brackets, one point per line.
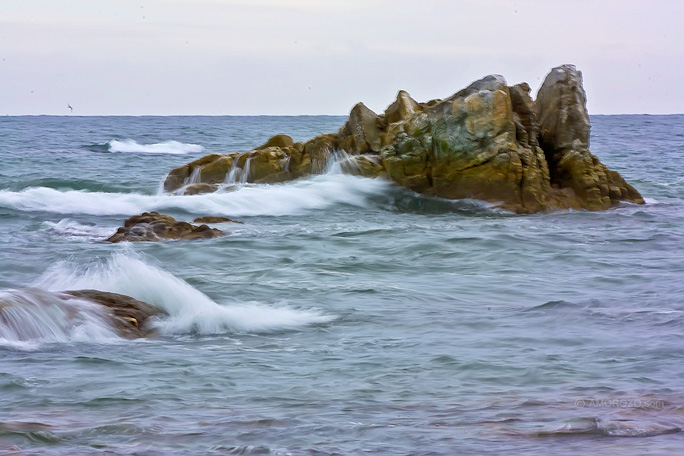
[69, 106]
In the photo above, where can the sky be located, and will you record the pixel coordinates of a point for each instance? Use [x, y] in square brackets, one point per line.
[295, 57]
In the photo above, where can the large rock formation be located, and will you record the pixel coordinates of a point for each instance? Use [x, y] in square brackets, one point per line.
[153, 226]
[490, 141]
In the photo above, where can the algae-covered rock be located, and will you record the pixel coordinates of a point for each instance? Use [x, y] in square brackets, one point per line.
[464, 147]
[490, 141]
[493, 142]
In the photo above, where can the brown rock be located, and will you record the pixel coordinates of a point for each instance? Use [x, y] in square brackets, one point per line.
[526, 111]
[152, 226]
[366, 165]
[488, 141]
[361, 132]
[188, 174]
[465, 147]
[197, 189]
[281, 141]
[561, 103]
[211, 219]
[127, 315]
[564, 137]
[267, 165]
[403, 108]
[214, 171]
[316, 155]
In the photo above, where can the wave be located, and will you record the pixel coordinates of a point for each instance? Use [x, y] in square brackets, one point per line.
[132, 146]
[405, 200]
[292, 198]
[189, 310]
[71, 229]
[69, 184]
[33, 316]
[611, 428]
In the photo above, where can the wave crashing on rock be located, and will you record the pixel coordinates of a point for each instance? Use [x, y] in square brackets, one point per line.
[490, 142]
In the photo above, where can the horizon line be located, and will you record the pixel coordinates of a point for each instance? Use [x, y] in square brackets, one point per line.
[271, 115]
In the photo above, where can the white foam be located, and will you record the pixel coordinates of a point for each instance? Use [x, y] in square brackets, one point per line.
[292, 198]
[31, 317]
[189, 310]
[630, 428]
[74, 230]
[166, 147]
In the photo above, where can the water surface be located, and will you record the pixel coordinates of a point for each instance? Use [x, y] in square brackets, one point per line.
[346, 315]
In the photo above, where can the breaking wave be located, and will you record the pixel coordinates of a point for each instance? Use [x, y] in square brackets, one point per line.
[132, 146]
[189, 310]
[29, 317]
[73, 230]
[292, 198]
[611, 428]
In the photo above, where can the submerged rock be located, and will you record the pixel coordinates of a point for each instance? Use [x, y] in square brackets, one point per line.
[490, 141]
[198, 189]
[38, 315]
[153, 226]
[127, 315]
[211, 219]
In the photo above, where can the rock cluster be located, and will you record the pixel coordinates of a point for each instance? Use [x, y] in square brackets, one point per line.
[490, 141]
[153, 226]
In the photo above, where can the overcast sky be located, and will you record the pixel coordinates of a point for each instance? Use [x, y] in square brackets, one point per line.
[321, 57]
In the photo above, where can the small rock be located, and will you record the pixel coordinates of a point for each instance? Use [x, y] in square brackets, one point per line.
[127, 315]
[153, 226]
[211, 219]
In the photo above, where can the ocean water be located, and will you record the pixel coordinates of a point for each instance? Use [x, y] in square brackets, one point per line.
[346, 315]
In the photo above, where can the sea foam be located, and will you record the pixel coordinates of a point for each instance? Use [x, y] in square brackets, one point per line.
[189, 310]
[73, 230]
[166, 147]
[29, 317]
[292, 198]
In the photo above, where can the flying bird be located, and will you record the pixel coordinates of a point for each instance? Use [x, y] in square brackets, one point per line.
[69, 106]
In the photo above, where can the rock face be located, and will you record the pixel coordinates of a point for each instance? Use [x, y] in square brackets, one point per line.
[490, 141]
[467, 147]
[564, 137]
[127, 315]
[153, 226]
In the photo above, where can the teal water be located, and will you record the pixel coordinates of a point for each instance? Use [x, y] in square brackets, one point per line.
[346, 315]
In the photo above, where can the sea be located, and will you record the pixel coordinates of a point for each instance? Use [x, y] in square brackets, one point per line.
[344, 315]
